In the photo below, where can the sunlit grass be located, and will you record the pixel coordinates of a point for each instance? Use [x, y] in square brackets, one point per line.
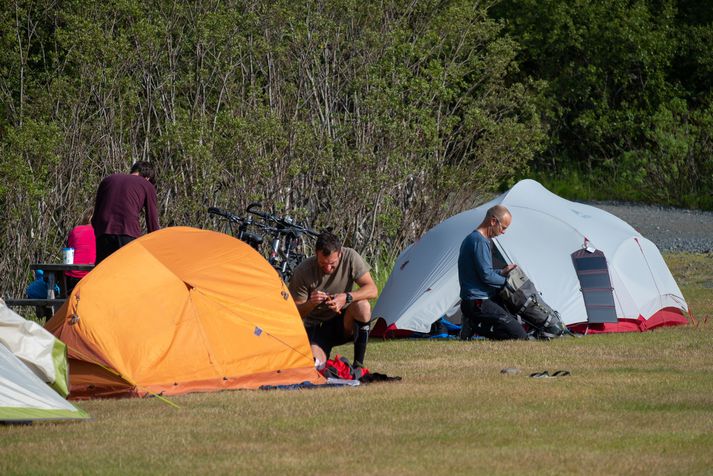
[634, 404]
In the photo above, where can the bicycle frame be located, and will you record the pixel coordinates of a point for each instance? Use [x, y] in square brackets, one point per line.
[286, 236]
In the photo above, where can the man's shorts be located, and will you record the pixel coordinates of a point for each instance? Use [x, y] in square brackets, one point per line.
[328, 334]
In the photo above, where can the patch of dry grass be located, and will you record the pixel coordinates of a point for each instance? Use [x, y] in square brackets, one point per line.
[634, 404]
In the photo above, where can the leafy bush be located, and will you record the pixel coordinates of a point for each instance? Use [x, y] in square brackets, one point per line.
[377, 120]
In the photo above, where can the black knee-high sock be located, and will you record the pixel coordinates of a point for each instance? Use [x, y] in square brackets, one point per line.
[361, 337]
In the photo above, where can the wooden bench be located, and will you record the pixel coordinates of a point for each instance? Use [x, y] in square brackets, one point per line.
[44, 308]
[34, 302]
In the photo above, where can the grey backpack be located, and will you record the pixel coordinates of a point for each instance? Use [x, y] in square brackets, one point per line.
[522, 299]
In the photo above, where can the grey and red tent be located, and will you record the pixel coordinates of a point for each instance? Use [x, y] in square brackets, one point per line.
[597, 271]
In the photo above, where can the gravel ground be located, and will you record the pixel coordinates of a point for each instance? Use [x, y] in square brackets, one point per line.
[671, 229]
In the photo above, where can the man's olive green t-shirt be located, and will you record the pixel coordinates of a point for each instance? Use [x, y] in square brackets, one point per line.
[308, 276]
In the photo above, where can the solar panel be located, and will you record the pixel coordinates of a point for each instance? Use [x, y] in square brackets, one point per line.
[595, 284]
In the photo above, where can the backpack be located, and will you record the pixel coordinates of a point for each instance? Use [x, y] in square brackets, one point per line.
[340, 368]
[522, 299]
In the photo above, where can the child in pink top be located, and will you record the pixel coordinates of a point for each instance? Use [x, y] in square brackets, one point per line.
[81, 238]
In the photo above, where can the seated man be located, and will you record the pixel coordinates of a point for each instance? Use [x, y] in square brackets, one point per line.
[332, 312]
[483, 313]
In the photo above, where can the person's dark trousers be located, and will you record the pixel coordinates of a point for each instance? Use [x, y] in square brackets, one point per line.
[107, 244]
[489, 319]
[71, 283]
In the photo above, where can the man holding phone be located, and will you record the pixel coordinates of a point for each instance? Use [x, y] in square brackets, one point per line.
[332, 311]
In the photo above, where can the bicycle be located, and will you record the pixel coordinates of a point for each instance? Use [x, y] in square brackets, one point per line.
[284, 252]
[252, 239]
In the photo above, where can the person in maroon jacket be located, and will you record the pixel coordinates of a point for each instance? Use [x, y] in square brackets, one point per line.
[120, 199]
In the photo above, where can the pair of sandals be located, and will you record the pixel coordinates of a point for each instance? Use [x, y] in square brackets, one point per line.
[546, 374]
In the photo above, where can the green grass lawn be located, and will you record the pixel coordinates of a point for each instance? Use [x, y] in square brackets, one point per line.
[634, 404]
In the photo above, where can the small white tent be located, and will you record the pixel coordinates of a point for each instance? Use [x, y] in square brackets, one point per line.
[24, 397]
[558, 244]
[32, 360]
[39, 350]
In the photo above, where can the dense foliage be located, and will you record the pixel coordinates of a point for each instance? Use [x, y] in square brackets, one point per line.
[629, 95]
[375, 118]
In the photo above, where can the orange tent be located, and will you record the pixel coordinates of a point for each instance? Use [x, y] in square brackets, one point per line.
[182, 310]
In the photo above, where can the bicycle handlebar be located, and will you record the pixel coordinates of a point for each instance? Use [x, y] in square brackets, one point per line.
[251, 209]
[225, 214]
[283, 225]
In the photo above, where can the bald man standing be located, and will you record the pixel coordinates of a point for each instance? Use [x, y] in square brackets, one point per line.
[483, 312]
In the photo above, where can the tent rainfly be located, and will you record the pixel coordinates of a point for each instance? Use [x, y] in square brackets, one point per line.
[182, 310]
[592, 267]
[31, 360]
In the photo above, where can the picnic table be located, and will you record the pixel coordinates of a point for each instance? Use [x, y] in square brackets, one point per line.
[55, 274]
